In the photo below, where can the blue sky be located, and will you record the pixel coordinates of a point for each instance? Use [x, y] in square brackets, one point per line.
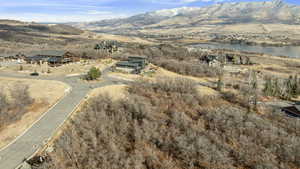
[91, 10]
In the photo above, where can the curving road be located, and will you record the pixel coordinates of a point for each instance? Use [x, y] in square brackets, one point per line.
[36, 136]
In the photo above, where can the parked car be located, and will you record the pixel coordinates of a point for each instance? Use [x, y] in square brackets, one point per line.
[34, 74]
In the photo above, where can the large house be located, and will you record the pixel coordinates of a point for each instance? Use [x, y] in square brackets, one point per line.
[292, 110]
[52, 57]
[134, 64]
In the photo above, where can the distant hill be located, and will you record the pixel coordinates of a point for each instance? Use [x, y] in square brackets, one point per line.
[275, 11]
[27, 32]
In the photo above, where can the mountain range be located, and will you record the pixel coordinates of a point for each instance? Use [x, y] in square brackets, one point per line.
[274, 11]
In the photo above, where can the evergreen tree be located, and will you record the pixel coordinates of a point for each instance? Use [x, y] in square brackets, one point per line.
[253, 93]
[268, 87]
[220, 83]
[288, 86]
[97, 47]
[298, 86]
[93, 74]
[276, 88]
[295, 86]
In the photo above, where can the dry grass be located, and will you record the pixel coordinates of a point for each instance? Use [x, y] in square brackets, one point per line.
[115, 92]
[162, 73]
[45, 93]
[123, 38]
[275, 66]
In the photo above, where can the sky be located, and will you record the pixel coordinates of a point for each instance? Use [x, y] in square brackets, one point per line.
[56, 11]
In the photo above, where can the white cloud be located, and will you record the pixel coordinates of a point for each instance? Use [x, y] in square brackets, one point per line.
[58, 10]
[80, 17]
[96, 12]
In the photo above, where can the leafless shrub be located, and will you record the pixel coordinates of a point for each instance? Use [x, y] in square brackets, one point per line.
[187, 68]
[163, 125]
[21, 96]
[166, 84]
[14, 107]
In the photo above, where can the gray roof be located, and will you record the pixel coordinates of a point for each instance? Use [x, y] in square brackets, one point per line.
[47, 53]
[127, 64]
[138, 57]
[37, 57]
[54, 59]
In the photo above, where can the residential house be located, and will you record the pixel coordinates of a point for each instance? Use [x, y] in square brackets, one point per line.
[134, 64]
[54, 58]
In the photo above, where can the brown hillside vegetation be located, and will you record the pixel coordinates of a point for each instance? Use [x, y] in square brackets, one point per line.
[32, 33]
[166, 124]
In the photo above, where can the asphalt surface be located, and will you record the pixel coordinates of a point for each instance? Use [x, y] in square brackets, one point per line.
[36, 136]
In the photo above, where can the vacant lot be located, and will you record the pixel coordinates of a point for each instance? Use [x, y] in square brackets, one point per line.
[161, 73]
[43, 93]
[114, 91]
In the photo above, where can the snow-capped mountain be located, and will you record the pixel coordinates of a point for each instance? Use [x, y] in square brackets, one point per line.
[174, 12]
[272, 11]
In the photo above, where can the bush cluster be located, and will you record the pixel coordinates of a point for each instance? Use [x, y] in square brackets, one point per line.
[191, 68]
[167, 124]
[93, 74]
[176, 59]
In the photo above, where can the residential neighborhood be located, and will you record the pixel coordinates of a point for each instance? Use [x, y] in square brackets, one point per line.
[174, 84]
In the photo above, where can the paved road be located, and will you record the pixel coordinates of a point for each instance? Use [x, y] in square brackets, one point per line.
[35, 137]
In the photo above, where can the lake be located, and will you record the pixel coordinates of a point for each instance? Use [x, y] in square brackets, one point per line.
[290, 51]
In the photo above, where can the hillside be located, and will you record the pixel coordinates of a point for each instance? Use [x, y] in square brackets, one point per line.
[33, 33]
[269, 12]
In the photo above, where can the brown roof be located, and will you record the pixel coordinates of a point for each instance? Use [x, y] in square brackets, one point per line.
[47, 53]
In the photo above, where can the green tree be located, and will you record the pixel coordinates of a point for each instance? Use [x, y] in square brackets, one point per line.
[93, 74]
